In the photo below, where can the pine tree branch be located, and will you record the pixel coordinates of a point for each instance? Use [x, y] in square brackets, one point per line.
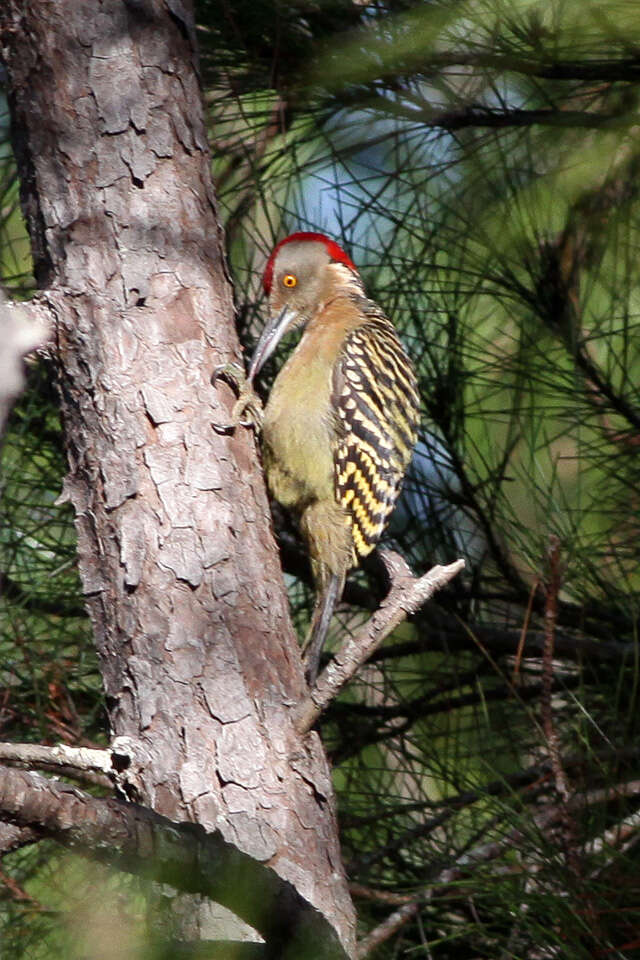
[386, 929]
[406, 595]
[183, 855]
[614, 69]
[478, 116]
[83, 763]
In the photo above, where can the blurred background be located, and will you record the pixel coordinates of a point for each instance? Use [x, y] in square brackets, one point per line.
[479, 161]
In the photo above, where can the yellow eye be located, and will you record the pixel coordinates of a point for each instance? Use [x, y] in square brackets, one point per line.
[290, 280]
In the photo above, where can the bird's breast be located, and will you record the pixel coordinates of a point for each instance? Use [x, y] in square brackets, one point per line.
[298, 428]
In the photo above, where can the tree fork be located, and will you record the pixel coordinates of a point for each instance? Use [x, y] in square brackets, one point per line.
[198, 656]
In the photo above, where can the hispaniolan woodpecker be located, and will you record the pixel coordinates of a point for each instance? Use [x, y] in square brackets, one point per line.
[341, 419]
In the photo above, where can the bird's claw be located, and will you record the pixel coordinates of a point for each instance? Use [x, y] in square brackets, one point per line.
[231, 372]
[247, 410]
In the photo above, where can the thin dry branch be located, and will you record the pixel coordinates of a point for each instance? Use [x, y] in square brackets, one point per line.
[62, 755]
[406, 595]
[615, 837]
[386, 929]
[550, 619]
[380, 896]
[16, 891]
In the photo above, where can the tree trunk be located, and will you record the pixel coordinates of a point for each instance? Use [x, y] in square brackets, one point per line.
[200, 663]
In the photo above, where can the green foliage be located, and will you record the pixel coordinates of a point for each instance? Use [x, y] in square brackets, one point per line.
[49, 672]
[15, 260]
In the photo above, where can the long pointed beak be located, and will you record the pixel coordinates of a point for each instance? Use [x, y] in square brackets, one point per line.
[274, 331]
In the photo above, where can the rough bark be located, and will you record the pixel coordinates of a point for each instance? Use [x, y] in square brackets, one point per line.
[199, 659]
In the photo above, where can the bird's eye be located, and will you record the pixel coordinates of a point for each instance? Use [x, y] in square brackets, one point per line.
[290, 280]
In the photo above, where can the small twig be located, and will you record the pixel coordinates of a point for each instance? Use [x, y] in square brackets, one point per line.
[16, 891]
[83, 763]
[386, 929]
[615, 837]
[523, 632]
[380, 896]
[406, 595]
[550, 618]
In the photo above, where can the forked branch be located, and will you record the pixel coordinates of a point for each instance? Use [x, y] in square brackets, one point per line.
[407, 594]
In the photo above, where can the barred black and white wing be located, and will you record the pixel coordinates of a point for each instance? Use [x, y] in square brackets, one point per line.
[376, 398]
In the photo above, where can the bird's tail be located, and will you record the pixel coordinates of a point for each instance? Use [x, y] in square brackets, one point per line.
[322, 614]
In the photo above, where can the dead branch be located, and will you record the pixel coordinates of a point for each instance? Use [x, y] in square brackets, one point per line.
[76, 760]
[550, 619]
[386, 929]
[406, 595]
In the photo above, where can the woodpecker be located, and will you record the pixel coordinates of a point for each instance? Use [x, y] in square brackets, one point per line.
[341, 419]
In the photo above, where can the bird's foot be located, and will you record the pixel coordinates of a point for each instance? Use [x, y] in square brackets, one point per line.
[247, 410]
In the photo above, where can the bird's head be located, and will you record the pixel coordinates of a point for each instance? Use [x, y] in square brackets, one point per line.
[301, 275]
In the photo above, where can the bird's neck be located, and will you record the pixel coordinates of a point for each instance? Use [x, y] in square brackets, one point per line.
[342, 282]
[306, 379]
